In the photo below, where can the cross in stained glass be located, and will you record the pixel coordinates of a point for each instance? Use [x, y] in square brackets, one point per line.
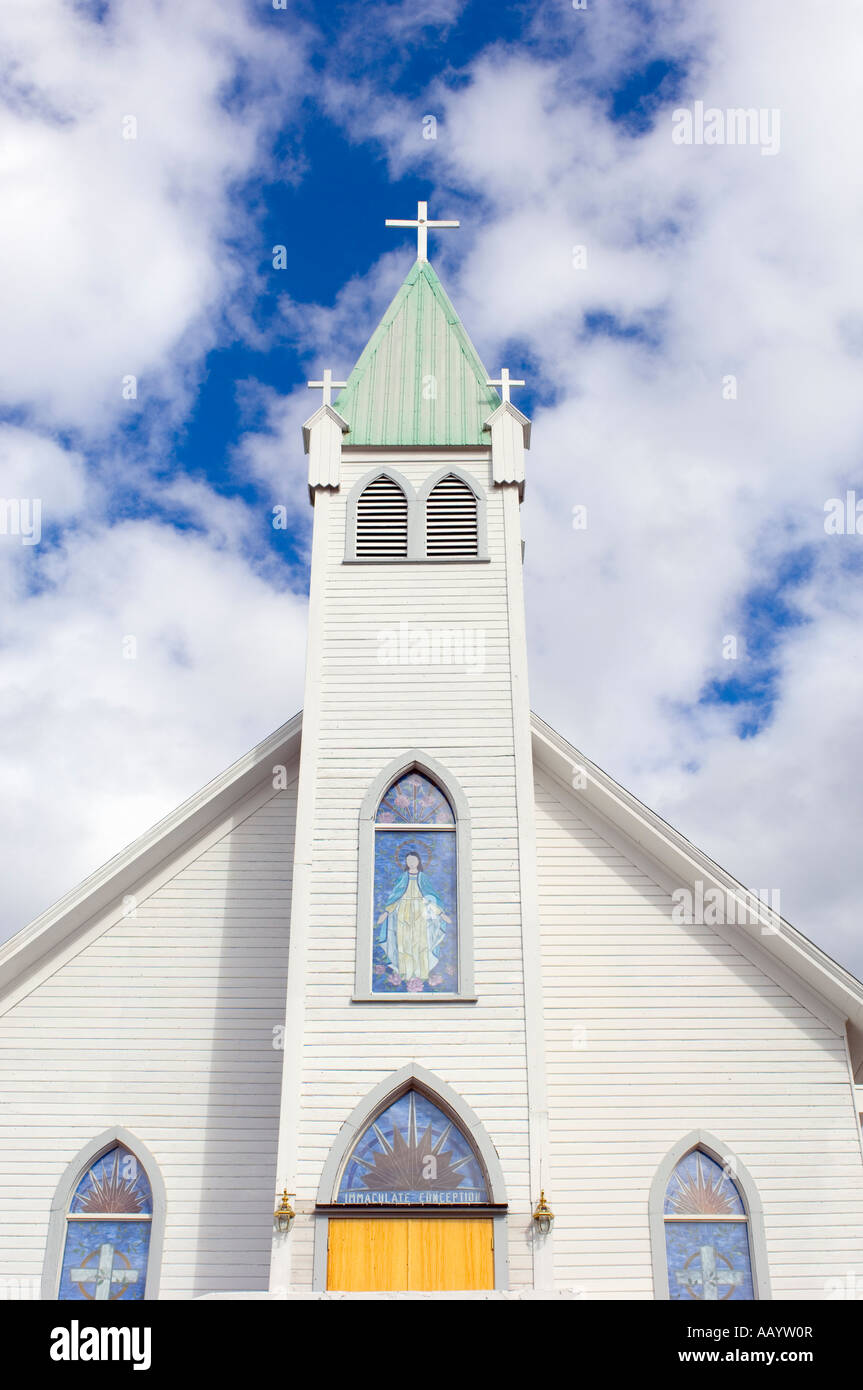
[104, 1275]
[709, 1275]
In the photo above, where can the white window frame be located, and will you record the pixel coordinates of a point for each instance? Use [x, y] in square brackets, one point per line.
[481, 529]
[721, 1154]
[416, 518]
[65, 1191]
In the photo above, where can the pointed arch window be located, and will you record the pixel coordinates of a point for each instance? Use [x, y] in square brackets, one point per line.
[452, 522]
[415, 890]
[707, 1232]
[382, 521]
[412, 1152]
[414, 923]
[108, 1228]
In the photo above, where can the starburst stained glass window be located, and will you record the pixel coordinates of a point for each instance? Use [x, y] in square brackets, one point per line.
[412, 1153]
[414, 800]
[706, 1233]
[108, 1231]
[415, 945]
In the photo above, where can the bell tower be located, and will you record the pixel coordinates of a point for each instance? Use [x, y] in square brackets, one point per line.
[414, 936]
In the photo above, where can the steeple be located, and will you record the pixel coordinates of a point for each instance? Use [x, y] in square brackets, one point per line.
[419, 379]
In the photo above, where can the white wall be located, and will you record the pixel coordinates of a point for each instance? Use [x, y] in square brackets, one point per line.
[655, 1029]
[163, 1023]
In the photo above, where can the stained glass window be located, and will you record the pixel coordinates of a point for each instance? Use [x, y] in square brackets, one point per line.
[414, 800]
[706, 1233]
[412, 1153]
[108, 1231]
[415, 945]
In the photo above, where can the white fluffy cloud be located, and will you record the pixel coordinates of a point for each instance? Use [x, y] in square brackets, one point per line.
[118, 153]
[151, 660]
[116, 262]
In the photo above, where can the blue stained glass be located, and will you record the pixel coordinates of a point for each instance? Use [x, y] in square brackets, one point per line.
[415, 946]
[414, 800]
[708, 1256]
[117, 1184]
[709, 1261]
[699, 1186]
[412, 1153]
[105, 1260]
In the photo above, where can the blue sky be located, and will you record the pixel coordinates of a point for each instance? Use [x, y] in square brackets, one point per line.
[303, 127]
[327, 207]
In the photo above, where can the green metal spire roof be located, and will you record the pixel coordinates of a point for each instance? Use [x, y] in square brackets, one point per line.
[419, 379]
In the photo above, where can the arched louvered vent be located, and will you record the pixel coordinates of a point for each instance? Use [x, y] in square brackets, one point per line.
[451, 520]
[382, 521]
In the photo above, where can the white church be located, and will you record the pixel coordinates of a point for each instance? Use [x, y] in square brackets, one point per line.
[414, 998]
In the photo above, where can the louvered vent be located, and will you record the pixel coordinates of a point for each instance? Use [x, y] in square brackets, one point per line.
[382, 521]
[451, 521]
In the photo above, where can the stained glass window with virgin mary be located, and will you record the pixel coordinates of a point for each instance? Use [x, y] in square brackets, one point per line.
[415, 943]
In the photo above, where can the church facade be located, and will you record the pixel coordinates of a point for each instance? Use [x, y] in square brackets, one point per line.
[414, 998]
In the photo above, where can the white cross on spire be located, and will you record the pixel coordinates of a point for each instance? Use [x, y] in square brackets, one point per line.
[504, 383]
[328, 385]
[422, 224]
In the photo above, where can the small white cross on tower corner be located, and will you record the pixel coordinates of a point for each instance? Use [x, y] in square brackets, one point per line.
[422, 224]
[328, 384]
[505, 382]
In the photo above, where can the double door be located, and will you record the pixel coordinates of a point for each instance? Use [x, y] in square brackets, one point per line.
[367, 1254]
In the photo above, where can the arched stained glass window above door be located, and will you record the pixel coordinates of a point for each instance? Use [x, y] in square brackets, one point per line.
[706, 1233]
[108, 1226]
[412, 1152]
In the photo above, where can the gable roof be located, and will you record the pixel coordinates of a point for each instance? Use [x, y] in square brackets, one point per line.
[419, 379]
[795, 961]
[110, 883]
[766, 938]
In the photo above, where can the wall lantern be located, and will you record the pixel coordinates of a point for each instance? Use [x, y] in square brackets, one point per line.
[543, 1216]
[283, 1216]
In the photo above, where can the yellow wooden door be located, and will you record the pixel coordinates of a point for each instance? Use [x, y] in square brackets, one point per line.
[435, 1253]
[367, 1254]
[450, 1253]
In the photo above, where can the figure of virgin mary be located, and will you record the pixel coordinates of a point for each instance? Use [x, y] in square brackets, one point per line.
[410, 928]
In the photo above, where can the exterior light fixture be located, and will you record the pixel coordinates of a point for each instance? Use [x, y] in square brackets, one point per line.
[283, 1216]
[543, 1215]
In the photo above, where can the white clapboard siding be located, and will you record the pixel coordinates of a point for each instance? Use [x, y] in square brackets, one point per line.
[382, 521]
[374, 704]
[655, 1029]
[451, 520]
[165, 1024]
